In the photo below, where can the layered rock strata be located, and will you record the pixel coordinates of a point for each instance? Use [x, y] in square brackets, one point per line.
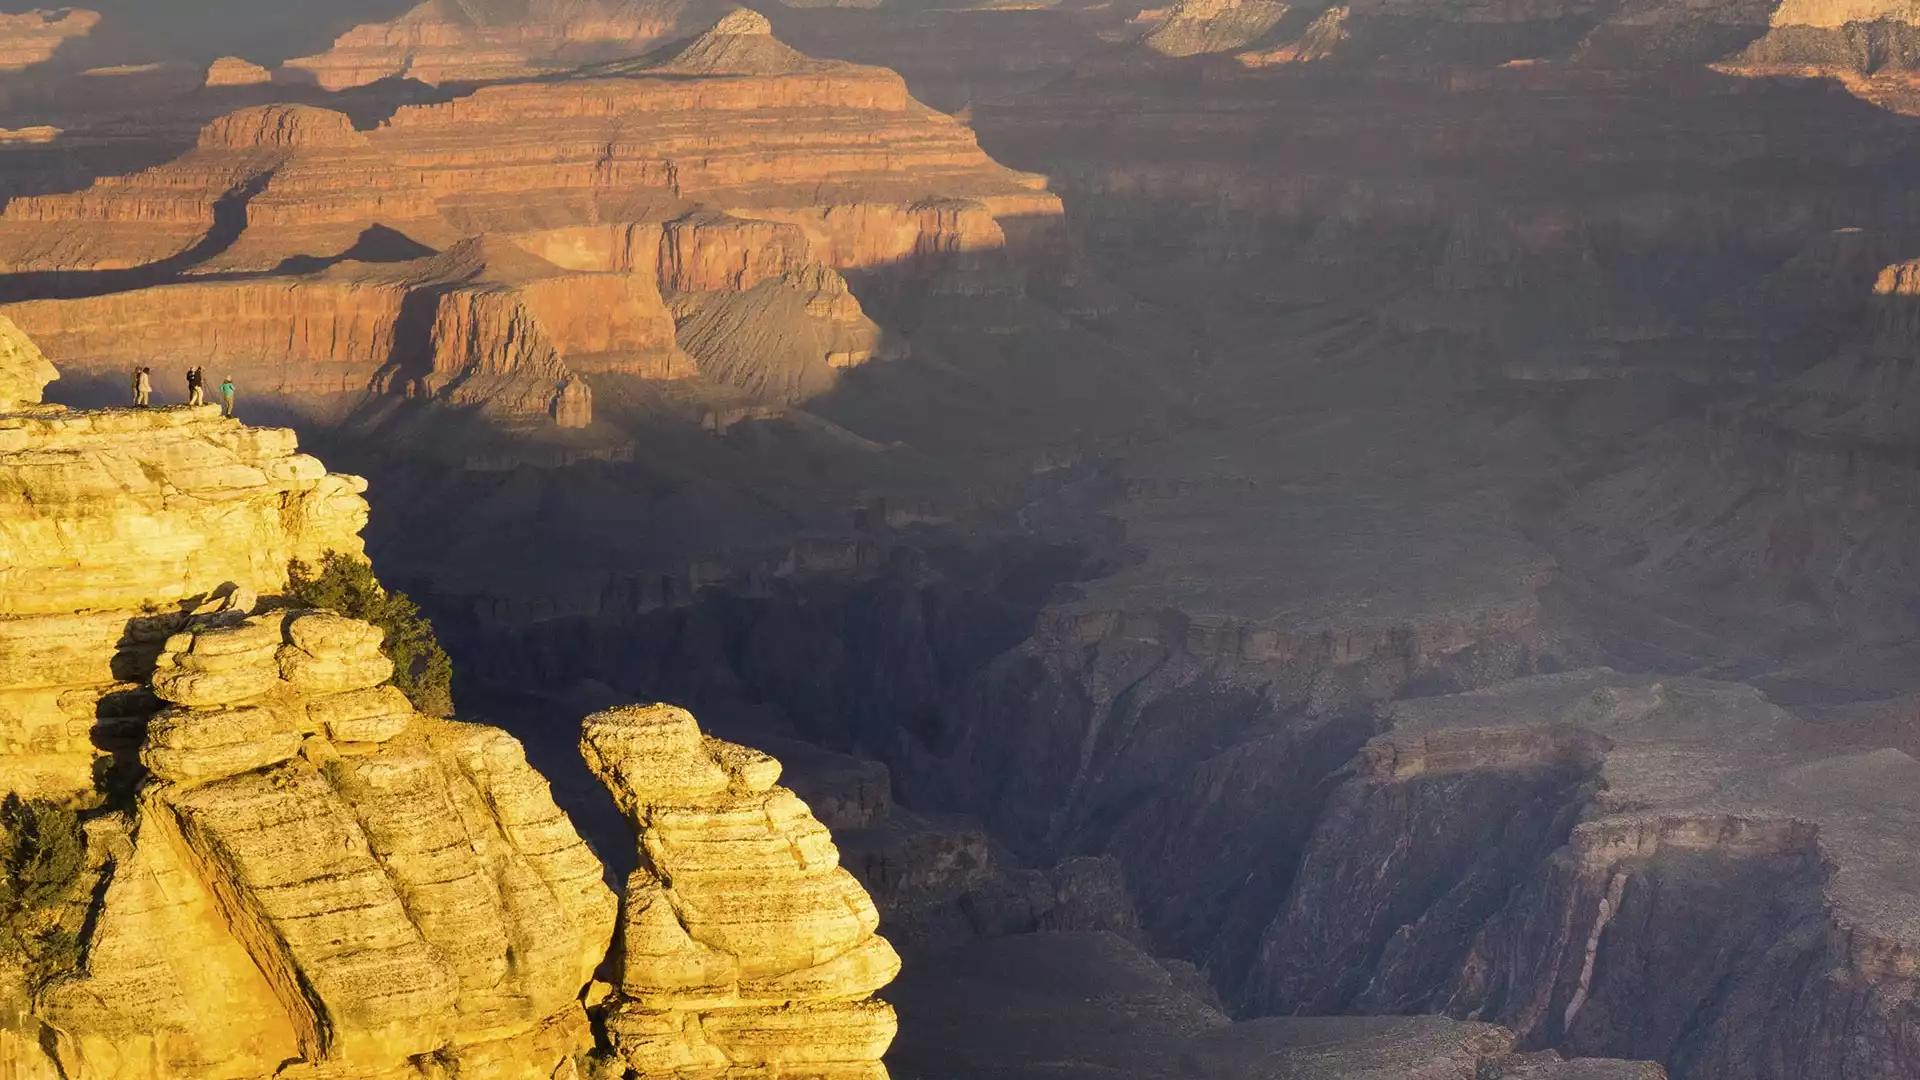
[235, 71]
[722, 184]
[441, 41]
[744, 946]
[308, 870]
[32, 37]
[1192, 27]
[296, 871]
[1661, 868]
[318, 874]
[1872, 49]
[114, 524]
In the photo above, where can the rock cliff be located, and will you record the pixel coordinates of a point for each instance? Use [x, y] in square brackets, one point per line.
[310, 871]
[721, 184]
[1192, 27]
[116, 522]
[316, 873]
[1615, 864]
[442, 41]
[235, 71]
[289, 869]
[744, 946]
[1872, 49]
[32, 37]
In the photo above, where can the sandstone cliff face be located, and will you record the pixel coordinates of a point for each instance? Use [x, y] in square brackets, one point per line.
[1193, 27]
[744, 946]
[1321, 40]
[235, 71]
[32, 37]
[294, 871]
[442, 41]
[479, 313]
[318, 874]
[1613, 864]
[113, 521]
[1871, 48]
[721, 185]
[313, 872]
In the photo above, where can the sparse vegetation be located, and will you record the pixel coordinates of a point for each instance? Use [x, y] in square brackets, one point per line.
[42, 856]
[421, 668]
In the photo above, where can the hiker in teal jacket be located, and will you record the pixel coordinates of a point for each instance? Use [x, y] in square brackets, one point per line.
[226, 395]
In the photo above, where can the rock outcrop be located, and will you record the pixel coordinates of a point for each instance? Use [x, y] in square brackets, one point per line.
[721, 184]
[1320, 40]
[32, 37]
[1193, 27]
[114, 524]
[1615, 864]
[1871, 48]
[442, 41]
[286, 865]
[234, 71]
[744, 946]
[318, 874]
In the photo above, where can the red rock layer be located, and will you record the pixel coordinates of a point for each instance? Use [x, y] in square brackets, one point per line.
[233, 71]
[499, 319]
[441, 41]
[32, 37]
[732, 166]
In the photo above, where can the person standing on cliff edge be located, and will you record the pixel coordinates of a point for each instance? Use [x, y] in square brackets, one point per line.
[142, 388]
[196, 386]
[226, 395]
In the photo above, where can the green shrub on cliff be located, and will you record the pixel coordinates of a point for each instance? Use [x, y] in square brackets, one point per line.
[42, 855]
[342, 583]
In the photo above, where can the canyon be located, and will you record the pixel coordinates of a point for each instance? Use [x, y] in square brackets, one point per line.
[1357, 541]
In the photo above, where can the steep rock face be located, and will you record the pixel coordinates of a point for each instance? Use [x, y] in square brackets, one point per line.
[319, 874]
[304, 873]
[24, 370]
[272, 181]
[113, 522]
[441, 41]
[859, 170]
[1871, 48]
[32, 37]
[744, 945]
[1321, 40]
[234, 71]
[1683, 880]
[722, 182]
[1193, 27]
[482, 313]
[308, 872]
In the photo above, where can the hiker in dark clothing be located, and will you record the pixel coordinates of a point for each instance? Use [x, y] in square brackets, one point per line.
[142, 387]
[196, 386]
